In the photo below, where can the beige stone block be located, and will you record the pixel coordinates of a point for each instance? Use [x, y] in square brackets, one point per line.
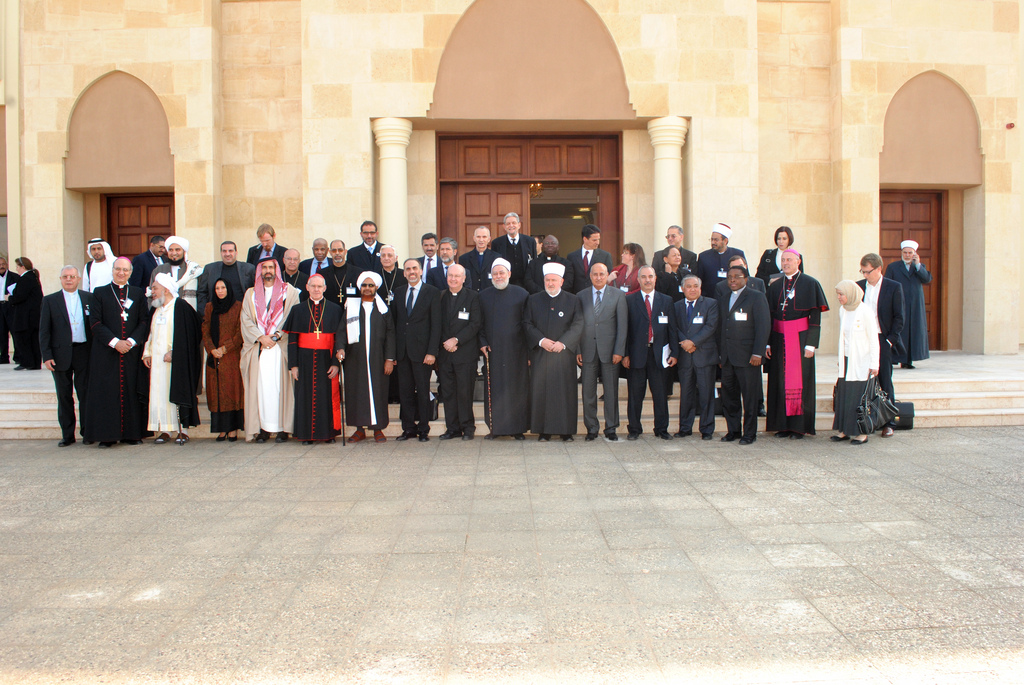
[819, 209]
[245, 115]
[1006, 111]
[821, 177]
[795, 177]
[772, 49]
[331, 100]
[391, 65]
[768, 177]
[772, 112]
[809, 146]
[267, 147]
[324, 170]
[732, 101]
[998, 177]
[863, 77]
[731, 33]
[716, 66]
[859, 208]
[269, 210]
[625, 30]
[199, 212]
[1006, 16]
[736, 169]
[868, 13]
[288, 180]
[175, 109]
[810, 51]
[658, 31]
[805, 17]
[993, 145]
[808, 114]
[769, 17]
[424, 6]
[259, 180]
[238, 214]
[437, 29]
[425, 63]
[883, 44]
[233, 180]
[638, 64]
[650, 99]
[293, 215]
[190, 177]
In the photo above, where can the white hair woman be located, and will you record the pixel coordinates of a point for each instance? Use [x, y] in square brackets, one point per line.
[858, 360]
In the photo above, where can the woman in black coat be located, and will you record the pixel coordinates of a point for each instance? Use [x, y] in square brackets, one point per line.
[771, 260]
[26, 302]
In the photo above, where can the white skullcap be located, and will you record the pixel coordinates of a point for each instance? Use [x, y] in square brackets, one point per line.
[909, 243]
[501, 262]
[722, 229]
[373, 276]
[177, 240]
[165, 279]
[554, 268]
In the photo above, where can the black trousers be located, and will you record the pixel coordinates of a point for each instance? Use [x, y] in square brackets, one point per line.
[26, 348]
[697, 398]
[741, 383]
[5, 333]
[885, 371]
[76, 377]
[456, 382]
[414, 396]
[637, 380]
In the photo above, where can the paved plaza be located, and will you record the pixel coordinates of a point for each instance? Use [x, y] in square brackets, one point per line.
[516, 562]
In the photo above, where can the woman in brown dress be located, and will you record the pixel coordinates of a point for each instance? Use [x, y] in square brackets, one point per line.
[222, 338]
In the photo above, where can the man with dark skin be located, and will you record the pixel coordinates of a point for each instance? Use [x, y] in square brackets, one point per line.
[535, 269]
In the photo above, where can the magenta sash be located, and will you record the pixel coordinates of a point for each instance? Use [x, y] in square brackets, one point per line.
[793, 379]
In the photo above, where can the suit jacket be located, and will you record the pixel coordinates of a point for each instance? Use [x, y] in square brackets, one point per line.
[890, 310]
[689, 262]
[305, 264]
[256, 250]
[766, 268]
[739, 340]
[299, 281]
[478, 277]
[26, 302]
[208, 279]
[142, 269]
[55, 328]
[437, 278]
[665, 332]
[417, 332]
[604, 334]
[527, 246]
[703, 333]
[535, 275]
[754, 283]
[423, 259]
[465, 330]
[364, 260]
[580, 276]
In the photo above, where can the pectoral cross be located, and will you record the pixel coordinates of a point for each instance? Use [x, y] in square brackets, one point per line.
[317, 333]
[124, 315]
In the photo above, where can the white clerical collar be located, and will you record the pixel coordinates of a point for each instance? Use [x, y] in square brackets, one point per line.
[69, 296]
[316, 302]
[738, 292]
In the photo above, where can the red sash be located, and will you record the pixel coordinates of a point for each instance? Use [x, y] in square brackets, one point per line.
[793, 378]
[313, 341]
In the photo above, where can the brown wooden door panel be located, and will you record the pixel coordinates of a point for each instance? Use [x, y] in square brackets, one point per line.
[486, 204]
[133, 219]
[910, 215]
[528, 158]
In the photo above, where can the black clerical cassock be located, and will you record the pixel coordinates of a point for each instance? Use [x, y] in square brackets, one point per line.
[116, 411]
[186, 362]
[366, 349]
[796, 304]
[554, 403]
[314, 338]
[507, 382]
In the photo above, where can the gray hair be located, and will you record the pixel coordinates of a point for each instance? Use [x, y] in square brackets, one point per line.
[451, 241]
[513, 214]
[71, 267]
[693, 277]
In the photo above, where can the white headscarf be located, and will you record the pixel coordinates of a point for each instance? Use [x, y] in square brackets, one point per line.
[98, 273]
[354, 304]
[168, 282]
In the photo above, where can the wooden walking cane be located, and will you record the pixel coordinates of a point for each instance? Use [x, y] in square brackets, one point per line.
[341, 391]
[487, 369]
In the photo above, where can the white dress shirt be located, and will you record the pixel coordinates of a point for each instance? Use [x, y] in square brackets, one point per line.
[76, 315]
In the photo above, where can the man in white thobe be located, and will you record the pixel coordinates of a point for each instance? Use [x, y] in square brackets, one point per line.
[100, 271]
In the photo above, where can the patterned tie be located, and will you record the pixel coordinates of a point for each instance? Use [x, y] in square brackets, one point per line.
[650, 319]
[597, 301]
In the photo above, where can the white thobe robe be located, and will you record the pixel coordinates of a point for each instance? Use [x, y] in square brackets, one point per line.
[163, 414]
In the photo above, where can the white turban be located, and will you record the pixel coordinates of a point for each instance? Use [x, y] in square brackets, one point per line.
[909, 243]
[722, 229]
[177, 240]
[501, 262]
[165, 279]
[373, 276]
[554, 268]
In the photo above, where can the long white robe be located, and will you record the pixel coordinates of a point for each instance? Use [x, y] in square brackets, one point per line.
[163, 414]
[269, 388]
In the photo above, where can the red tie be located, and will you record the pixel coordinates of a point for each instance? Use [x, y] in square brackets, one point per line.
[586, 262]
[650, 319]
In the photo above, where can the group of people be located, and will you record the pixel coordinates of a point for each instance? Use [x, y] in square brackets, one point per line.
[290, 349]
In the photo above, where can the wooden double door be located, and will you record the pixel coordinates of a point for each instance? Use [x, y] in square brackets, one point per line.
[918, 216]
[133, 219]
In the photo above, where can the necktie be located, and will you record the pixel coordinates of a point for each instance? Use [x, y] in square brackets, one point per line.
[650, 319]
[586, 262]
[597, 301]
[409, 300]
[689, 311]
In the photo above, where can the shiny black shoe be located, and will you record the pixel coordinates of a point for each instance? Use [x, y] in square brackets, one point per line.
[729, 437]
[839, 438]
[468, 435]
[131, 442]
[633, 436]
[330, 441]
[405, 436]
[262, 437]
[567, 438]
[489, 436]
[708, 436]
[423, 437]
[519, 436]
[664, 435]
[610, 436]
[684, 434]
[450, 435]
[796, 436]
[88, 442]
[106, 445]
[543, 437]
[747, 441]
[782, 434]
[65, 443]
[591, 437]
[281, 437]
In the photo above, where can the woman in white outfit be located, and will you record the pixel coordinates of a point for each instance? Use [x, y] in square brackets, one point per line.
[858, 360]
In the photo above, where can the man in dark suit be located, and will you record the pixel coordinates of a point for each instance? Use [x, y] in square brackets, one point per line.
[602, 347]
[518, 249]
[293, 274]
[365, 255]
[417, 312]
[675, 239]
[143, 264]
[429, 260]
[268, 247]
[651, 347]
[478, 262]
[582, 259]
[456, 372]
[713, 264]
[7, 279]
[65, 339]
[744, 325]
[240, 276]
[320, 260]
[535, 269]
[754, 283]
[885, 297]
[697, 318]
[446, 252]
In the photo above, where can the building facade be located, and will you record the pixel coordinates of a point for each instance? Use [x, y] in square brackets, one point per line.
[858, 123]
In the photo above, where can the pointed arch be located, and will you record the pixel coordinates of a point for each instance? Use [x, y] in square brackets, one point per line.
[531, 60]
[118, 138]
[932, 136]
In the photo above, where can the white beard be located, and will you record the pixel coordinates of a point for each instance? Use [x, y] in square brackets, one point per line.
[500, 286]
[158, 302]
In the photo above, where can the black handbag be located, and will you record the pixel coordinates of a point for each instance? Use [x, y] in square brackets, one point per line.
[875, 408]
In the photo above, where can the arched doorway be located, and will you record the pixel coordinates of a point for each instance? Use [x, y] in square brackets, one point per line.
[119, 159]
[931, 160]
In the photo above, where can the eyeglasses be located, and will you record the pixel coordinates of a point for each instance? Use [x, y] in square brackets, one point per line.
[865, 273]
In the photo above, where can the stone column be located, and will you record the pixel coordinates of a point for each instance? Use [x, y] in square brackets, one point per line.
[667, 136]
[392, 136]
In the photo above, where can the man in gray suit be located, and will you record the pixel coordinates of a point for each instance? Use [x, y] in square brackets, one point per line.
[240, 276]
[697, 319]
[605, 322]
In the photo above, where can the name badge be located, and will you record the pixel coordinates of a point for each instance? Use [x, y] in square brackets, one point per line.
[489, 277]
[624, 288]
[680, 288]
[87, 310]
[722, 273]
[698, 319]
[127, 304]
[349, 290]
[741, 316]
[464, 316]
[160, 319]
[662, 319]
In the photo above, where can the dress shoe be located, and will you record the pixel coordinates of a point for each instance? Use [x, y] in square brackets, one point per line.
[707, 436]
[378, 436]
[307, 442]
[490, 436]
[796, 436]
[262, 437]
[610, 436]
[591, 437]
[664, 435]
[761, 412]
[106, 445]
[858, 442]
[405, 436]
[358, 435]
[221, 438]
[684, 434]
[450, 435]
[468, 435]
[330, 441]
[839, 438]
[519, 436]
[19, 367]
[65, 443]
[887, 432]
[747, 441]
[233, 438]
[88, 442]
[633, 436]
[729, 437]
[567, 438]
[281, 437]
[131, 442]
[423, 437]
[782, 434]
[905, 366]
[543, 437]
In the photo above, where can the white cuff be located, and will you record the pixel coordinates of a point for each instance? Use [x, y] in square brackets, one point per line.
[809, 348]
[113, 343]
[132, 341]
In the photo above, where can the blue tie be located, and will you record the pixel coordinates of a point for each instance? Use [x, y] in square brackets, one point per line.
[408, 301]
[689, 311]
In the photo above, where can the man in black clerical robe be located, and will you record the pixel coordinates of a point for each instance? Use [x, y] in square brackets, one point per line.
[795, 302]
[368, 350]
[340, 276]
[503, 342]
[119, 318]
[456, 360]
[186, 363]
[910, 273]
[315, 329]
[713, 264]
[553, 321]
